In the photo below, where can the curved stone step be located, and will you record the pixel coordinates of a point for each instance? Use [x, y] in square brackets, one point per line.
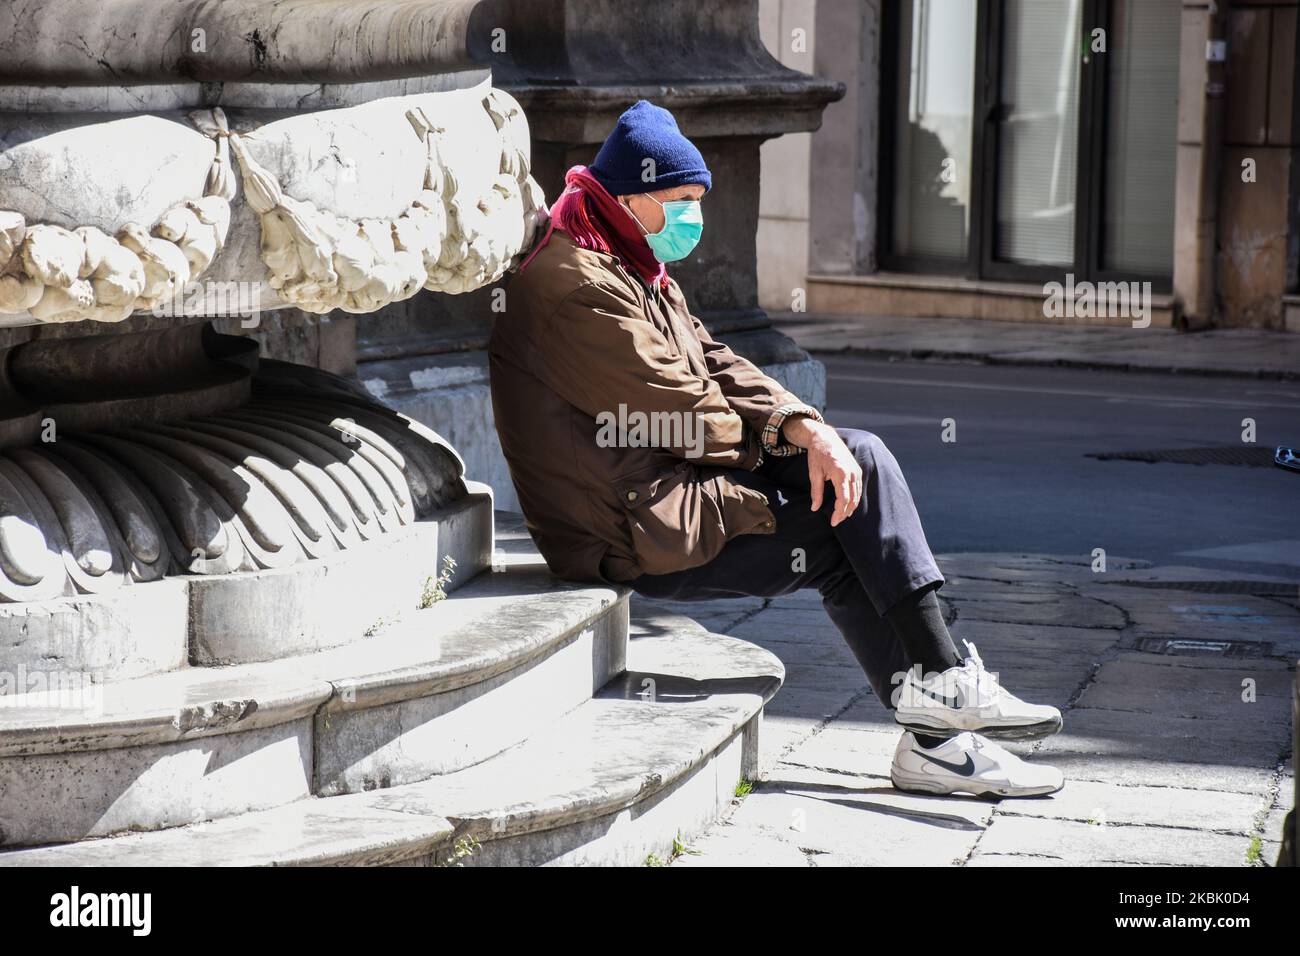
[438, 691]
[616, 779]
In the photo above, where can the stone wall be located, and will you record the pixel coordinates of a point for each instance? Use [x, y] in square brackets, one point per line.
[1257, 235]
[788, 29]
[842, 204]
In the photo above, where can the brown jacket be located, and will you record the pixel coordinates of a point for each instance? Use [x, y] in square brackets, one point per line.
[584, 362]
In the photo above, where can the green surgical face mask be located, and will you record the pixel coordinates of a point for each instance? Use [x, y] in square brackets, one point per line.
[683, 226]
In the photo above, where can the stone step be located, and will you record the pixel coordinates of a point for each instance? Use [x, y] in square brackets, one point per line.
[655, 756]
[438, 691]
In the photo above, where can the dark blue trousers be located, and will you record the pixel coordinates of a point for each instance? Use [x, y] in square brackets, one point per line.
[862, 568]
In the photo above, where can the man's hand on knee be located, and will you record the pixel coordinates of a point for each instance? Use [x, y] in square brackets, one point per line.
[829, 460]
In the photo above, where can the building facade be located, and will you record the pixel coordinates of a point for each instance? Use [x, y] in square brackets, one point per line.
[987, 148]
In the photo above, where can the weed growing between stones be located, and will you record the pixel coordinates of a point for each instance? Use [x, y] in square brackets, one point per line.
[435, 589]
[653, 859]
[461, 850]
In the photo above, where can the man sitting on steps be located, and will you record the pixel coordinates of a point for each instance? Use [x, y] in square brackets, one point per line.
[646, 453]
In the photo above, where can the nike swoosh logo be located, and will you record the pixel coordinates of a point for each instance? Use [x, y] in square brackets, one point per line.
[964, 769]
[954, 701]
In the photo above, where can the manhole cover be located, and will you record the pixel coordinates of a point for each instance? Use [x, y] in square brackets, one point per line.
[1251, 457]
[1182, 646]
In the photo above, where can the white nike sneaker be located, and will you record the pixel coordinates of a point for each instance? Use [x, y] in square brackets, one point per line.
[968, 697]
[969, 763]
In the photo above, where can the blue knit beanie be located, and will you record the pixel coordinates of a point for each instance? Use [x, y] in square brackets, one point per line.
[646, 131]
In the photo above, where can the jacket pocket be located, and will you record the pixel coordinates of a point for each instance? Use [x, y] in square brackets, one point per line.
[682, 518]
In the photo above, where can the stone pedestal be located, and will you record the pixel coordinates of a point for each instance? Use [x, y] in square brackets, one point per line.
[203, 193]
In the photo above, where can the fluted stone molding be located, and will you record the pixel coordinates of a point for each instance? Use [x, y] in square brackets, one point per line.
[428, 191]
[298, 473]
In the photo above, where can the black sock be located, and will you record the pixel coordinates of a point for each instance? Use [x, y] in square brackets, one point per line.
[928, 742]
[918, 621]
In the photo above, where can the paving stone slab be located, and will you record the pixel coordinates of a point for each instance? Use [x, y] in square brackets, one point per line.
[1213, 617]
[993, 637]
[815, 706]
[1197, 692]
[846, 751]
[1166, 573]
[1036, 657]
[1273, 822]
[959, 585]
[1087, 801]
[1215, 662]
[1086, 843]
[845, 820]
[780, 734]
[1165, 737]
[823, 678]
[968, 590]
[1000, 860]
[1268, 853]
[787, 613]
[868, 713]
[1138, 771]
[717, 623]
[829, 651]
[796, 626]
[743, 845]
[1113, 747]
[1051, 569]
[1069, 610]
[807, 598]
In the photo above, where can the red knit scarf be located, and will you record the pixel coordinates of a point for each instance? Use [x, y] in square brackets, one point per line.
[595, 220]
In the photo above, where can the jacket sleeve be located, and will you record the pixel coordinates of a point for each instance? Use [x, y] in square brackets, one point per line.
[761, 400]
[600, 352]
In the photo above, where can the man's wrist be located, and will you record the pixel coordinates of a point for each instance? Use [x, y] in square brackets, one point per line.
[797, 430]
[801, 429]
[775, 436]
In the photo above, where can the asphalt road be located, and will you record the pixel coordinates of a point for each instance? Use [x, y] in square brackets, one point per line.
[1017, 477]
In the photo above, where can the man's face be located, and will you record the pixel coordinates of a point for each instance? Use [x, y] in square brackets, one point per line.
[649, 213]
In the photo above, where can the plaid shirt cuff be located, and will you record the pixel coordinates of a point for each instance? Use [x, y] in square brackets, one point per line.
[773, 443]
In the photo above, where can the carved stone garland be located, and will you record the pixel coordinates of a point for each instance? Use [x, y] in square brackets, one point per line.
[317, 261]
[68, 275]
[443, 242]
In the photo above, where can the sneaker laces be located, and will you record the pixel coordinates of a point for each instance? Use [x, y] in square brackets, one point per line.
[987, 689]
